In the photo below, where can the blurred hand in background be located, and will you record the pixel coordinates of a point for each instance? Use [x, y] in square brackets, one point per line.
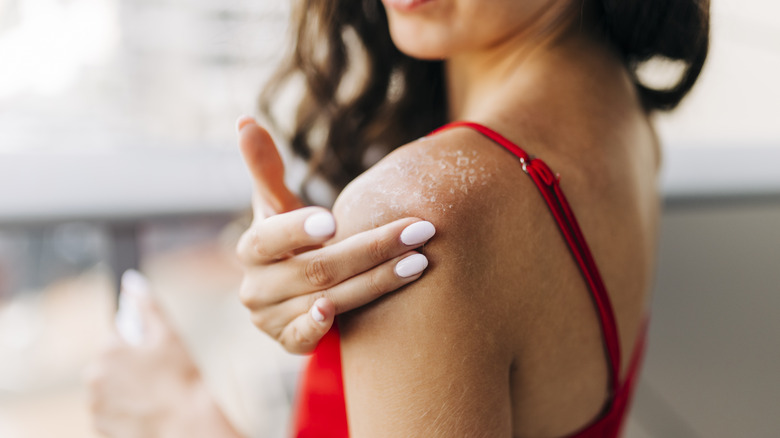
[144, 382]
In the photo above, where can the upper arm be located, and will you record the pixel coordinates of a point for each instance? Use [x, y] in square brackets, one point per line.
[499, 335]
[430, 359]
[424, 361]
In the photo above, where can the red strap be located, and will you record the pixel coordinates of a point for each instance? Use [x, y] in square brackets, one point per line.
[548, 184]
[320, 410]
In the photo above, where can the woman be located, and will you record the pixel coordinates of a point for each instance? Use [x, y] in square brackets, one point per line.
[500, 337]
[526, 323]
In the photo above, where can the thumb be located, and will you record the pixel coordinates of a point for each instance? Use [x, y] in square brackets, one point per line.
[139, 318]
[266, 167]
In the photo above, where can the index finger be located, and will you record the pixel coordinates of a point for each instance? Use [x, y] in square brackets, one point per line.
[265, 165]
[276, 237]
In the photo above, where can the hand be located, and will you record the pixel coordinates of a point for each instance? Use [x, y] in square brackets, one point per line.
[293, 286]
[147, 384]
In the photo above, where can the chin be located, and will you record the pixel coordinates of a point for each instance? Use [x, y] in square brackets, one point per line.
[421, 42]
[422, 53]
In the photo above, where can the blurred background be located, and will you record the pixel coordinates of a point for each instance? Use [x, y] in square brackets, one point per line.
[117, 149]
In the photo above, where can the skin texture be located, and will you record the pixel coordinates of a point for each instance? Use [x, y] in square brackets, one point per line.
[500, 336]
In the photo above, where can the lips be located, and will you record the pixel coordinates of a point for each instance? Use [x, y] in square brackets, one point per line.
[405, 5]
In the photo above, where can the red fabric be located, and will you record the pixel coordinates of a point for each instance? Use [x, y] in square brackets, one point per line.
[321, 410]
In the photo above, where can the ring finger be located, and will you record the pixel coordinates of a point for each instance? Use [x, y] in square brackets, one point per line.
[291, 321]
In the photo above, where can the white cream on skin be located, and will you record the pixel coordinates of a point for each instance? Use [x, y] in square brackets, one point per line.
[458, 170]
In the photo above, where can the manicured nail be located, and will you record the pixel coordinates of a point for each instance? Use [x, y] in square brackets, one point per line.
[412, 265]
[243, 120]
[134, 282]
[320, 224]
[417, 233]
[128, 319]
[316, 313]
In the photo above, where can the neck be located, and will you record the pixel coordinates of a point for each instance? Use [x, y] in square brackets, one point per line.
[489, 81]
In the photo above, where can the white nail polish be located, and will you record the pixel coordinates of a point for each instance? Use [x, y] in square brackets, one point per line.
[412, 265]
[128, 319]
[320, 224]
[316, 314]
[134, 282]
[417, 233]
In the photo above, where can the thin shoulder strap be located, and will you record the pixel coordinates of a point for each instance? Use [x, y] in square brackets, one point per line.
[548, 184]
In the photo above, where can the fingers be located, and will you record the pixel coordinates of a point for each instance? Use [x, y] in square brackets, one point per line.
[277, 236]
[306, 330]
[368, 286]
[265, 165]
[323, 268]
[328, 266]
[299, 324]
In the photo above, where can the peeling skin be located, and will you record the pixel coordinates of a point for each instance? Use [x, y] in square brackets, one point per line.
[420, 174]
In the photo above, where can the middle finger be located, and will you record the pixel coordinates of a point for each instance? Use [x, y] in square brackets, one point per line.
[325, 267]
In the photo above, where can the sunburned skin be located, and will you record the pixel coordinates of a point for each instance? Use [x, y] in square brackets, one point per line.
[440, 177]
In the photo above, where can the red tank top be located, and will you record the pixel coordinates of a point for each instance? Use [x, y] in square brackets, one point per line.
[321, 411]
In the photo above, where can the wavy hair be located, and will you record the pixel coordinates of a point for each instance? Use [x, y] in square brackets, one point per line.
[362, 97]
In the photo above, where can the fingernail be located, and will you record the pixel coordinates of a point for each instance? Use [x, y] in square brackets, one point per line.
[129, 322]
[417, 233]
[128, 319]
[412, 265]
[320, 224]
[317, 314]
[243, 120]
[134, 282]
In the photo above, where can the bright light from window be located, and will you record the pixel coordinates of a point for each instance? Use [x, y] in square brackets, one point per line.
[737, 100]
[51, 42]
[175, 73]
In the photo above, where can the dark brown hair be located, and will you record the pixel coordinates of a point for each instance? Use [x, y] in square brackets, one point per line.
[640, 30]
[360, 92]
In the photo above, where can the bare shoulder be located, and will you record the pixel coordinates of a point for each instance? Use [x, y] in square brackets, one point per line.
[446, 177]
[443, 337]
[471, 189]
[500, 331]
